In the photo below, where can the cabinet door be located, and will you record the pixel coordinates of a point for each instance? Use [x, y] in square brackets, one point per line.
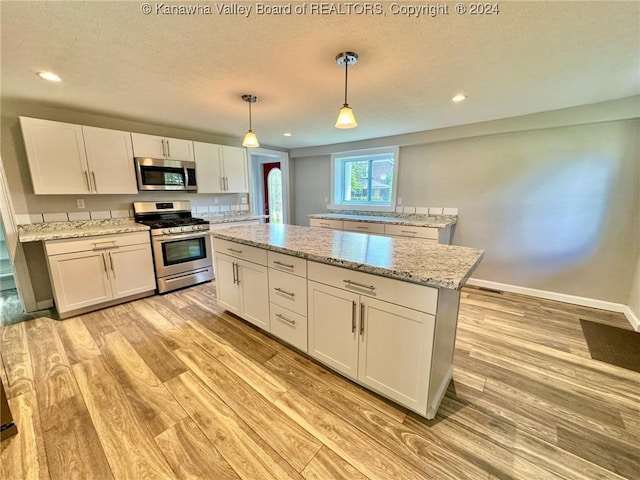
[79, 280]
[254, 285]
[395, 352]
[227, 288]
[333, 327]
[208, 167]
[56, 156]
[234, 161]
[110, 159]
[131, 270]
[150, 146]
[179, 149]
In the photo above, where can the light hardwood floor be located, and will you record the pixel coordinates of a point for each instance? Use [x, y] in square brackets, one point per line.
[172, 387]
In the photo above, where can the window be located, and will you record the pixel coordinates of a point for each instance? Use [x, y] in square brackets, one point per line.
[365, 178]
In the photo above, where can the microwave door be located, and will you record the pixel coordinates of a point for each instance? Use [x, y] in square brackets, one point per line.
[161, 178]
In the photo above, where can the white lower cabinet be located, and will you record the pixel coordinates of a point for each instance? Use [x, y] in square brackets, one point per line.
[88, 273]
[243, 288]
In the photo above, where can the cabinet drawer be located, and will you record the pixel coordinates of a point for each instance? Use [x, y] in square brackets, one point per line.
[363, 227]
[324, 223]
[410, 295]
[408, 231]
[98, 242]
[289, 326]
[239, 250]
[288, 291]
[287, 263]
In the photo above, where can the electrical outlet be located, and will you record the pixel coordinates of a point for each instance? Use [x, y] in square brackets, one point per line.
[216, 201]
[80, 203]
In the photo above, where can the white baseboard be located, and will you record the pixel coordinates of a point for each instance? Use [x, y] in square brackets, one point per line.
[561, 297]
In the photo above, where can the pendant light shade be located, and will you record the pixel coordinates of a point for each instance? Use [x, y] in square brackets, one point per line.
[250, 140]
[345, 116]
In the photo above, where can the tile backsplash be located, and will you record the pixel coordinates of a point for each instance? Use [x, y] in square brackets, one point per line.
[27, 218]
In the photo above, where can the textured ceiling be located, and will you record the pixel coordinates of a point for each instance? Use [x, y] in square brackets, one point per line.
[190, 70]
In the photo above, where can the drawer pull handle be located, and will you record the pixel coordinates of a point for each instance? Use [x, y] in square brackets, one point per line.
[105, 245]
[355, 284]
[278, 289]
[324, 224]
[234, 250]
[282, 317]
[278, 262]
[409, 231]
[363, 228]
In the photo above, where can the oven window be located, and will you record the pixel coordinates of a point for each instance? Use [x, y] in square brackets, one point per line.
[181, 251]
[162, 176]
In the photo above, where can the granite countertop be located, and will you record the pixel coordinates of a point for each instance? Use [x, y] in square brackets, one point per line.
[36, 232]
[411, 220]
[406, 259]
[216, 219]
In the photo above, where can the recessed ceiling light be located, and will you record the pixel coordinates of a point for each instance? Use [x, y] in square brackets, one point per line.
[459, 98]
[52, 77]
[287, 134]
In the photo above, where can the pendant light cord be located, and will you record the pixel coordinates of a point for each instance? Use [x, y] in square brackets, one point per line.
[249, 102]
[346, 73]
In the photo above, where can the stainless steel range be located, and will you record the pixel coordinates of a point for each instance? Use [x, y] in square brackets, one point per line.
[180, 243]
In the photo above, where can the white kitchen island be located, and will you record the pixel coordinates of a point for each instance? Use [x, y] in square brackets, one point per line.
[381, 311]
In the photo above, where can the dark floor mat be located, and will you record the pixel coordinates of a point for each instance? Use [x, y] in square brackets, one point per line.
[613, 345]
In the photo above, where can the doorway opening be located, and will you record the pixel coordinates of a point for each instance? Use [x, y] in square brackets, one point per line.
[269, 191]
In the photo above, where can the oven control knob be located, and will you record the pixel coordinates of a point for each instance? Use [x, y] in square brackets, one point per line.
[166, 230]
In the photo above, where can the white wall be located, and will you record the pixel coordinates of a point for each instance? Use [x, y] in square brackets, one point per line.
[555, 208]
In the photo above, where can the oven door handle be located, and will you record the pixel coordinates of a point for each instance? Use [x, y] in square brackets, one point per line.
[184, 236]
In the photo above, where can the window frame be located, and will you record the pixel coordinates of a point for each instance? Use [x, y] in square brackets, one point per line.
[337, 180]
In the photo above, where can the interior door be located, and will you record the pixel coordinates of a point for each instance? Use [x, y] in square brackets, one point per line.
[272, 188]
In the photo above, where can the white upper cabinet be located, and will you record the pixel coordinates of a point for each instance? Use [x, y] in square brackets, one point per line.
[110, 160]
[56, 155]
[72, 159]
[209, 176]
[221, 168]
[153, 146]
[234, 161]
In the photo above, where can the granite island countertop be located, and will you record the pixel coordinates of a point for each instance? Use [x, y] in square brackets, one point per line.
[410, 220]
[406, 259]
[216, 219]
[36, 232]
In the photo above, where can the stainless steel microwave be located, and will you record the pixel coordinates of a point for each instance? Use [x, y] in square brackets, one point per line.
[160, 174]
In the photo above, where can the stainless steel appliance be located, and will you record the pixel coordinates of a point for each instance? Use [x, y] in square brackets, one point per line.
[180, 243]
[160, 174]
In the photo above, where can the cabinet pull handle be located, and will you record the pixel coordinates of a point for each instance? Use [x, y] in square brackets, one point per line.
[322, 224]
[93, 177]
[363, 228]
[282, 317]
[238, 274]
[278, 262]
[168, 148]
[104, 263]
[164, 151]
[86, 177]
[233, 270]
[362, 319]
[355, 284]
[278, 289]
[111, 263]
[234, 250]
[226, 183]
[222, 183]
[353, 318]
[409, 231]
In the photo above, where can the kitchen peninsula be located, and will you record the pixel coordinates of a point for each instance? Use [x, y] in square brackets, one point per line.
[381, 311]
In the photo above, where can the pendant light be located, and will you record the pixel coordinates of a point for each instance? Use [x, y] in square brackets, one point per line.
[250, 139]
[345, 117]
